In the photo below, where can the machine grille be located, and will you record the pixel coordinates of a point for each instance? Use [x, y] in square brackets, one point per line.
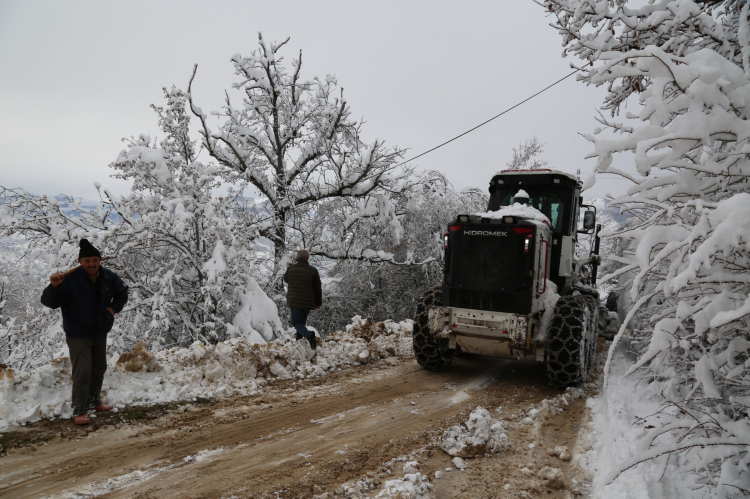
[480, 300]
[488, 271]
[493, 301]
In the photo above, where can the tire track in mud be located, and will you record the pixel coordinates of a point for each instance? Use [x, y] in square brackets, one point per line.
[297, 439]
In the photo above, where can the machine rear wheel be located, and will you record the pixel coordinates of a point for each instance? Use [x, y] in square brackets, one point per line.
[428, 350]
[571, 341]
[594, 333]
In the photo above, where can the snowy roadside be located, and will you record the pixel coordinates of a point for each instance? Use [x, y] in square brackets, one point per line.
[622, 415]
[236, 367]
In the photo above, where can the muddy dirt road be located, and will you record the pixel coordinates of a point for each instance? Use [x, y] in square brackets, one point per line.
[305, 438]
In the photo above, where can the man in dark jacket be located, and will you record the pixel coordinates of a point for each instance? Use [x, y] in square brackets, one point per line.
[90, 297]
[304, 294]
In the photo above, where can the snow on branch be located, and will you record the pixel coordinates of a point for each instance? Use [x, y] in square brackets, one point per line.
[295, 141]
[684, 66]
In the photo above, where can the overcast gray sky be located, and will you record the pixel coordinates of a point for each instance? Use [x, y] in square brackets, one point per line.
[76, 77]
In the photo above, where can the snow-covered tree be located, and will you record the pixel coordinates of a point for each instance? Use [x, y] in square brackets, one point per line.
[524, 158]
[20, 313]
[185, 251]
[295, 141]
[387, 290]
[593, 28]
[686, 65]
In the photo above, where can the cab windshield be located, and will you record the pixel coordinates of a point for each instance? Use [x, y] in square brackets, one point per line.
[551, 203]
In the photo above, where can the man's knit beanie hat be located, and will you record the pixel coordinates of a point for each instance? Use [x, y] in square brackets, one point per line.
[87, 250]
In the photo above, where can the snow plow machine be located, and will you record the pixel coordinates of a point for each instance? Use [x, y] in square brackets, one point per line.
[503, 273]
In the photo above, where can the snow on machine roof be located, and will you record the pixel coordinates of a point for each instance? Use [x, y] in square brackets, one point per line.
[542, 171]
[516, 210]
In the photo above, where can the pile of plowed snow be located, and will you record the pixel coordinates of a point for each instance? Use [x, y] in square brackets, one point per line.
[235, 367]
[479, 434]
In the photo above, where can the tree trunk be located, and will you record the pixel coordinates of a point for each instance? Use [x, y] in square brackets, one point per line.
[278, 237]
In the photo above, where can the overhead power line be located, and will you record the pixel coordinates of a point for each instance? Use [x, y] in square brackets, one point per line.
[494, 117]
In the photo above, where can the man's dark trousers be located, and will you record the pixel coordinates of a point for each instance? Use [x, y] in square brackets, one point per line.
[86, 321]
[299, 321]
[89, 358]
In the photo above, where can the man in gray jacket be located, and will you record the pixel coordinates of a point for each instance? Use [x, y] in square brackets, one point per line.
[303, 294]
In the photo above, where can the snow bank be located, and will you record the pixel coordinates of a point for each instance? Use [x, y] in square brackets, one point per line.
[352, 490]
[480, 434]
[235, 367]
[553, 406]
[258, 317]
[621, 415]
[412, 486]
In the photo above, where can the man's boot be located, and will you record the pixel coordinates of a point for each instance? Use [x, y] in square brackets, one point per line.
[311, 339]
[81, 413]
[82, 419]
[96, 404]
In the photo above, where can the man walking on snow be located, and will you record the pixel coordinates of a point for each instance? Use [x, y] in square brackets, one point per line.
[304, 294]
[90, 297]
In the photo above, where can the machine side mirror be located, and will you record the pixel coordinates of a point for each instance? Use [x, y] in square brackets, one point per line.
[589, 220]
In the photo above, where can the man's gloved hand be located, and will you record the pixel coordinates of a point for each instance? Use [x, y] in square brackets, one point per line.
[56, 279]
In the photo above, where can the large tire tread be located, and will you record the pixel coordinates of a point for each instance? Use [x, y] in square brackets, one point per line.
[427, 349]
[571, 341]
[594, 305]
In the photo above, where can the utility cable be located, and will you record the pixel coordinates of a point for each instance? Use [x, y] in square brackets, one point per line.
[482, 124]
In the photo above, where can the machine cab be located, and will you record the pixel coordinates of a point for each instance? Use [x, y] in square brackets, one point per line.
[558, 196]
